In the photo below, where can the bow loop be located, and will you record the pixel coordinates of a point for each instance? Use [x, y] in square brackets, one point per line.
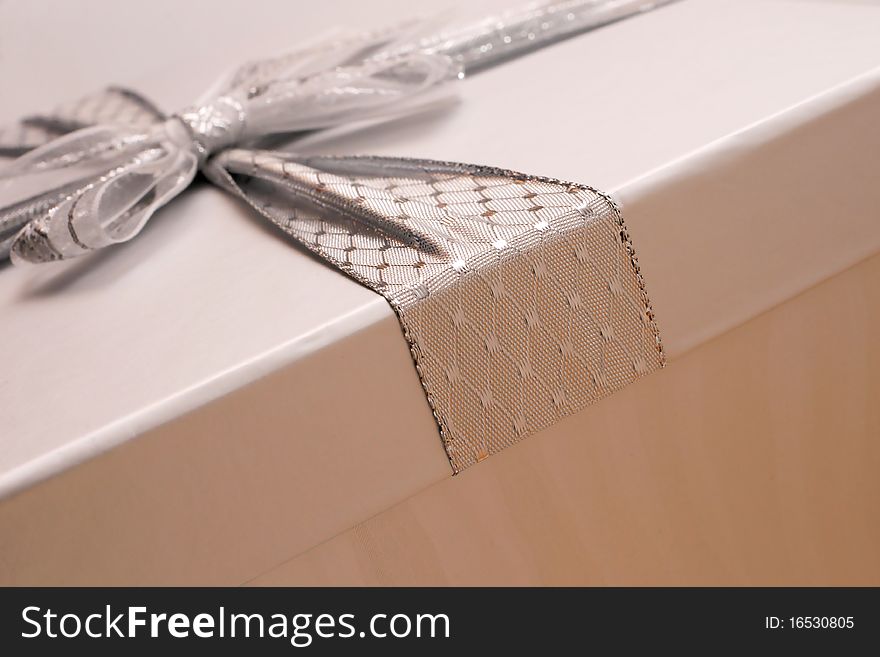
[107, 181]
[375, 88]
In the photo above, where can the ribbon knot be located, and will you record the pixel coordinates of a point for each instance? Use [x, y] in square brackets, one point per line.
[214, 126]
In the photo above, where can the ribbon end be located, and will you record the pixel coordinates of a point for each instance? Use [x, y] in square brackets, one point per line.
[32, 246]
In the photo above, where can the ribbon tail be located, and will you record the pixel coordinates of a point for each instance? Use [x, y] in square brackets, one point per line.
[520, 296]
[283, 188]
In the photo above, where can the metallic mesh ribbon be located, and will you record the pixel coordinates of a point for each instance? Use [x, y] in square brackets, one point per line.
[520, 296]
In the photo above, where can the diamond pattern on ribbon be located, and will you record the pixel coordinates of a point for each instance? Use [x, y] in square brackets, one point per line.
[520, 296]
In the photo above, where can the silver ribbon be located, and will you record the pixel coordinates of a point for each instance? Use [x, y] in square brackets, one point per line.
[520, 296]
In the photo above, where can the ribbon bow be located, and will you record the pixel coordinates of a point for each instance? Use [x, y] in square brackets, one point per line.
[520, 296]
[105, 181]
[99, 185]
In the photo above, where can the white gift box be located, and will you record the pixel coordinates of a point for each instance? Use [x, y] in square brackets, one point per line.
[208, 404]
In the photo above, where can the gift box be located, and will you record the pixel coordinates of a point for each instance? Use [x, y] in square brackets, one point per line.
[209, 404]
